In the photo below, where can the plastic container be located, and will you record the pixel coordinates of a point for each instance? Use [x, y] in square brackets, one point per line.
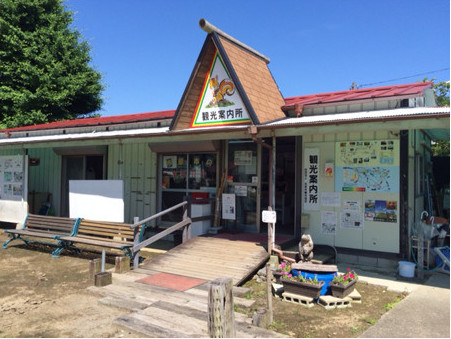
[326, 277]
[406, 269]
[439, 261]
[199, 198]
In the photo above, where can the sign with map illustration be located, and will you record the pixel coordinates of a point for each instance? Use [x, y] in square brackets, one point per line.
[367, 166]
[219, 103]
[11, 177]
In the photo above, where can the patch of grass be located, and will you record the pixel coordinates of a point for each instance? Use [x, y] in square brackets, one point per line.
[248, 295]
[389, 306]
[355, 329]
[278, 326]
[370, 321]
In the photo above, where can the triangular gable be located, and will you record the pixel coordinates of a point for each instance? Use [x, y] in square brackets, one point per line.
[220, 103]
[257, 81]
[223, 92]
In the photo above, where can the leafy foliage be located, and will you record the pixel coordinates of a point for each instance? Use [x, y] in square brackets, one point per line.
[45, 74]
[441, 91]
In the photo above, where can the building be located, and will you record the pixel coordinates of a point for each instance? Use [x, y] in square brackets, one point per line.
[347, 167]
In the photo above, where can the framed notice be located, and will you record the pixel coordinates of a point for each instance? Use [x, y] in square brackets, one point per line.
[228, 206]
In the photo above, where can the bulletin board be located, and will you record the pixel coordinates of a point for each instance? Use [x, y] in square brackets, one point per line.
[13, 188]
[351, 192]
[97, 200]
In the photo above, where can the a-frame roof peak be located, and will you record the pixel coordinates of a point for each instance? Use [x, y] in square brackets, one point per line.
[229, 85]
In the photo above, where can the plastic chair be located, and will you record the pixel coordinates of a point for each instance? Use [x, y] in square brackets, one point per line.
[443, 253]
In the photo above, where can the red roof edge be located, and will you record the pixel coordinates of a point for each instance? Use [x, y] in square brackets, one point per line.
[97, 121]
[357, 94]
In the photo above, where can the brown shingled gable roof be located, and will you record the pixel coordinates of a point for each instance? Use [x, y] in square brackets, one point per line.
[248, 71]
[257, 81]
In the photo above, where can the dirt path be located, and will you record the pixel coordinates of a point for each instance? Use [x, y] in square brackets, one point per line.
[45, 297]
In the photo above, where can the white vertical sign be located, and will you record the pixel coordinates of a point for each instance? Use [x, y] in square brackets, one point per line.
[311, 179]
[228, 206]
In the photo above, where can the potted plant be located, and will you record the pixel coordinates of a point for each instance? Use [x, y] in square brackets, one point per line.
[343, 284]
[302, 286]
[283, 271]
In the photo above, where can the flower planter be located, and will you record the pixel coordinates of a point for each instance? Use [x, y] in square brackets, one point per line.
[341, 291]
[277, 275]
[301, 288]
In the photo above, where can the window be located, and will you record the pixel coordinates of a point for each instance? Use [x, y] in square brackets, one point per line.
[184, 174]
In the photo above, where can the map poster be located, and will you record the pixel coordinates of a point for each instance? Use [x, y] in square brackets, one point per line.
[367, 153]
[367, 166]
[367, 179]
[311, 179]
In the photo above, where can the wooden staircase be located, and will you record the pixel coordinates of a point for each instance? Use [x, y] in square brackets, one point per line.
[160, 312]
[210, 258]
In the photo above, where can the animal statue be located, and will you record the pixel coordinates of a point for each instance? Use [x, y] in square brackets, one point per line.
[306, 248]
[220, 90]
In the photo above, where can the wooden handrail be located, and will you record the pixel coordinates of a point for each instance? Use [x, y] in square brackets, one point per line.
[162, 234]
[159, 214]
[184, 224]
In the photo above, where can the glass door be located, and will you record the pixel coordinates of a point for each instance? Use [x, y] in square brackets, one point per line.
[243, 172]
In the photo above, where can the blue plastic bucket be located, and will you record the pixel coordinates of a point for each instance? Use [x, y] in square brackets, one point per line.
[326, 277]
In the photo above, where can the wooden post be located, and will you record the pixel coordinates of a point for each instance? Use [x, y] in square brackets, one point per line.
[186, 235]
[420, 252]
[221, 317]
[270, 234]
[269, 291]
[136, 242]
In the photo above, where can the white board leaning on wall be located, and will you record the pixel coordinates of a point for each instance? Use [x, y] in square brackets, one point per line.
[97, 200]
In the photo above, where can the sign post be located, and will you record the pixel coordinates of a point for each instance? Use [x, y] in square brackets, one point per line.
[270, 217]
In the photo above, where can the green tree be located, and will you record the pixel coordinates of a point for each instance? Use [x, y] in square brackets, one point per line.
[45, 74]
[441, 93]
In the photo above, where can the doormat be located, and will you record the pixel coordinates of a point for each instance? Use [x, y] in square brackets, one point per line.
[172, 281]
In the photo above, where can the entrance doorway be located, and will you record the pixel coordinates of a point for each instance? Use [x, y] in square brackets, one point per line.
[285, 185]
[243, 171]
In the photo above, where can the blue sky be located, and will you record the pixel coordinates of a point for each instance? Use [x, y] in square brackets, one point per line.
[146, 49]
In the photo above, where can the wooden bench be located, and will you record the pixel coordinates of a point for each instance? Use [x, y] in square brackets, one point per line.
[105, 234]
[43, 226]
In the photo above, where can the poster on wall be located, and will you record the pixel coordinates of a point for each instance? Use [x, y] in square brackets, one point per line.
[311, 179]
[328, 222]
[330, 199]
[170, 161]
[12, 178]
[351, 215]
[381, 210]
[228, 206]
[367, 166]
